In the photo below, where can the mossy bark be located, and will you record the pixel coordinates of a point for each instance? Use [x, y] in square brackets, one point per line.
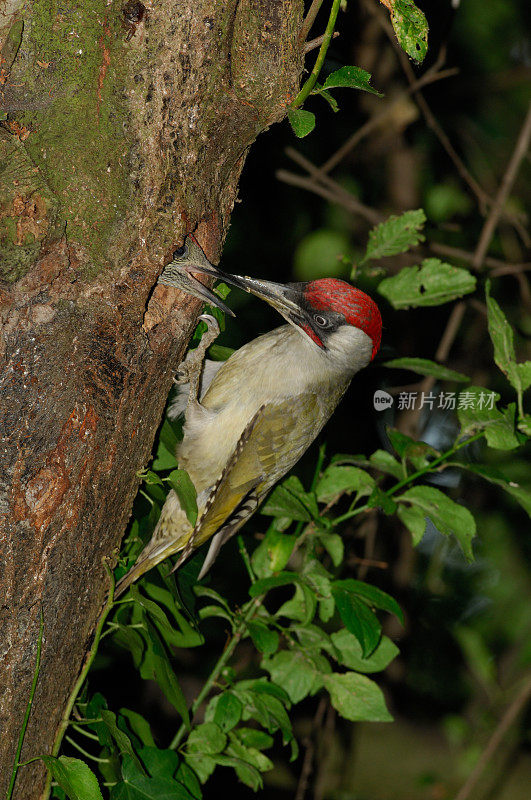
[114, 143]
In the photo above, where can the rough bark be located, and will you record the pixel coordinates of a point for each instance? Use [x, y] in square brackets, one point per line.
[112, 147]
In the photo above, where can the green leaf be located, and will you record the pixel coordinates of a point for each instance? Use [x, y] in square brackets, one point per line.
[380, 499]
[298, 672]
[419, 453]
[431, 284]
[385, 462]
[185, 490]
[333, 544]
[448, 517]
[501, 334]
[351, 655]
[164, 459]
[157, 666]
[159, 762]
[251, 737]
[264, 639]
[371, 595]
[357, 618]
[302, 605]
[219, 353]
[290, 500]
[121, 738]
[414, 519]
[207, 738]
[521, 495]
[139, 726]
[301, 121]
[476, 411]
[135, 785]
[328, 96]
[266, 584]
[75, 777]
[352, 78]
[396, 235]
[423, 366]
[357, 698]
[411, 27]
[227, 711]
[339, 479]
[273, 553]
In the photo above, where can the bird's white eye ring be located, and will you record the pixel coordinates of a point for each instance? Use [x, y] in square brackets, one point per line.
[321, 321]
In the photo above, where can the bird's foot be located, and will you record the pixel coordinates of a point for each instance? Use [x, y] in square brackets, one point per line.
[190, 369]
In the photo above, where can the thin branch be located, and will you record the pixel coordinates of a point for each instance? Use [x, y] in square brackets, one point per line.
[500, 267]
[313, 43]
[520, 150]
[508, 719]
[309, 19]
[307, 764]
[351, 204]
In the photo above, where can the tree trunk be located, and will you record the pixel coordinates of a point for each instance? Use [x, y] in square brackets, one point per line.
[122, 132]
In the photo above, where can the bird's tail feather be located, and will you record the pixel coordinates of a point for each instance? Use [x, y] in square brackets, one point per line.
[170, 536]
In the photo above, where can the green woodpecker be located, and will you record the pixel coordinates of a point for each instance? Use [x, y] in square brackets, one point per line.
[249, 419]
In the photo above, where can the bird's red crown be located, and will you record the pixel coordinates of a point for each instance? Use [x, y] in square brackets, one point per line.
[357, 307]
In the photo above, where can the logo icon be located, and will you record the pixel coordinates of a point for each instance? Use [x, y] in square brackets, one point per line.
[382, 400]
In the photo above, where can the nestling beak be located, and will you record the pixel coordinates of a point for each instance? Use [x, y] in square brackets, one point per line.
[190, 258]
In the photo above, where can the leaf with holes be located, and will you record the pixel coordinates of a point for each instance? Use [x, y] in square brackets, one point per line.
[431, 284]
[410, 26]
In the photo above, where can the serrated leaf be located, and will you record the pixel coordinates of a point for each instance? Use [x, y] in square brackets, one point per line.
[183, 487]
[449, 518]
[357, 698]
[121, 738]
[352, 78]
[157, 666]
[423, 366]
[476, 411]
[350, 653]
[299, 673]
[502, 336]
[410, 26]
[273, 553]
[396, 235]
[301, 121]
[339, 479]
[75, 777]
[333, 544]
[431, 284]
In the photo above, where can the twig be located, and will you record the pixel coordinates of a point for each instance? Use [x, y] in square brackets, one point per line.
[319, 61]
[349, 202]
[508, 719]
[313, 43]
[307, 764]
[501, 267]
[520, 150]
[309, 19]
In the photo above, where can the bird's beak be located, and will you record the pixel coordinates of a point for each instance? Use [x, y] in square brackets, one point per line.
[190, 258]
[283, 297]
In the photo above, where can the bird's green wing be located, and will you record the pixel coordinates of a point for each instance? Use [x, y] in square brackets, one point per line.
[271, 443]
